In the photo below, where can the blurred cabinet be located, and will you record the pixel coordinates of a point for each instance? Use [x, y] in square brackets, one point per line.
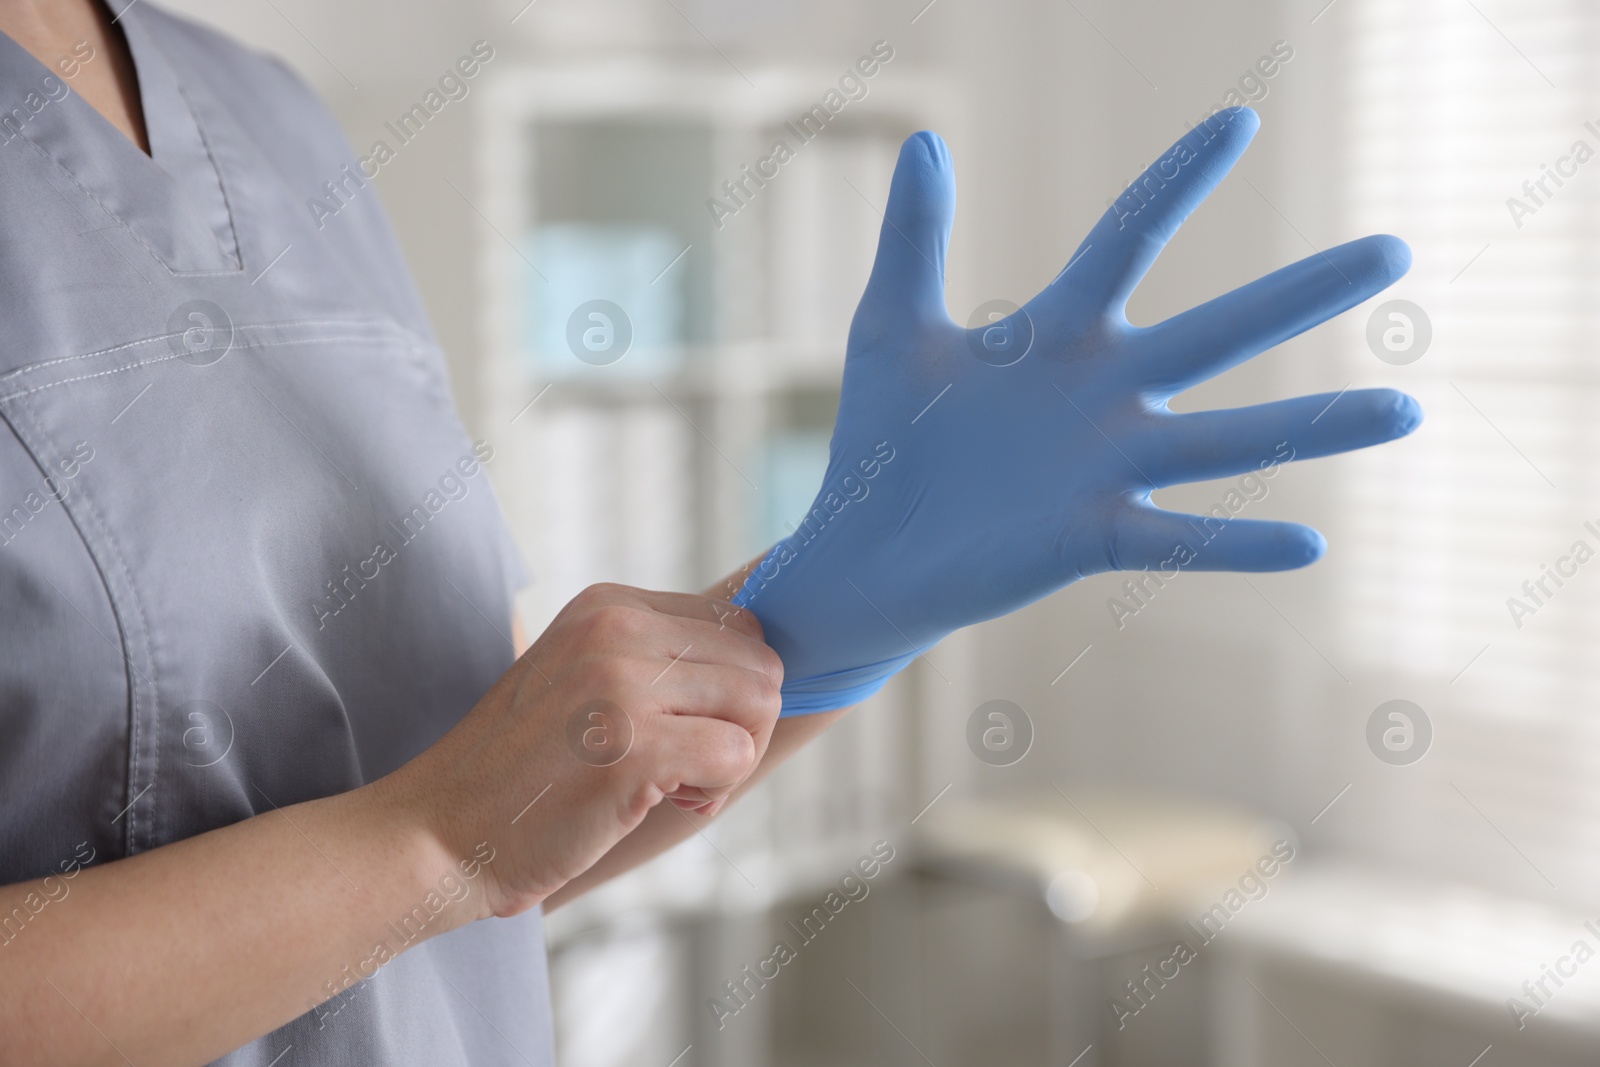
[680, 319]
[664, 340]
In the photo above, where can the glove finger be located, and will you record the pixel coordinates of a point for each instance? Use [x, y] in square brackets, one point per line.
[1110, 262]
[1150, 539]
[1205, 341]
[1220, 444]
[908, 275]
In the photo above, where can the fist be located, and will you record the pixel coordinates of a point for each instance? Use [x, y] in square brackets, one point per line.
[629, 698]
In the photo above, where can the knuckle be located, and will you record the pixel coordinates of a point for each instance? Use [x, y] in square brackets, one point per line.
[772, 666]
[757, 694]
[617, 623]
[747, 621]
[733, 753]
[589, 598]
[764, 665]
[765, 690]
[602, 595]
[772, 699]
[639, 798]
[618, 676]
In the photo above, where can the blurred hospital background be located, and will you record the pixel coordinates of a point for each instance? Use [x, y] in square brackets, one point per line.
[1349, 815]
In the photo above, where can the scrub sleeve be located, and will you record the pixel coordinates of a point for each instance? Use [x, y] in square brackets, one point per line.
[248, 554]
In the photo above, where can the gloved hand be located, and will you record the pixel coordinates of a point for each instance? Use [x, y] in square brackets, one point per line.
[972, 472]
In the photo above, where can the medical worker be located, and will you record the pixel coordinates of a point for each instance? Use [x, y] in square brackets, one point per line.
[276, 787]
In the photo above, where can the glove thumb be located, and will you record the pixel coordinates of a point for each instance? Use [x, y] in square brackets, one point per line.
[908, 275]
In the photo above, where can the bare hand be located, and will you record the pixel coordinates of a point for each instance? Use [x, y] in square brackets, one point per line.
[629, 698]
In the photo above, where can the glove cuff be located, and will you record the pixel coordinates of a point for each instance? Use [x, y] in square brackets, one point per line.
[840, 689]
[831, 690]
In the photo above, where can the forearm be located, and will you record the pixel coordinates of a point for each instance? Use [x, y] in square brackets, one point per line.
[180, 954]
[185, 952]
[667, 824]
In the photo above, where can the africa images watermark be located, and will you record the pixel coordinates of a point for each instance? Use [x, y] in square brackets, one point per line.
[849, 487]
[452, 487]
[852, 88]
[1251, 489]
[1537, 592]
[1538, 991]
[1252, 886]
[55, 488]
[454, 84]
[51, 89]
[53, 889]
[1251, 88]
[999, 733]
[852, 887]
[1538, 191]
[452, 887]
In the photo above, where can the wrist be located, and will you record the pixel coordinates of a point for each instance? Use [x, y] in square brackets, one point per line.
[440, 871]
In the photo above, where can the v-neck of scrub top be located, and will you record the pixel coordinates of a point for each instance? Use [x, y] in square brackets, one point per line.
[172, 200]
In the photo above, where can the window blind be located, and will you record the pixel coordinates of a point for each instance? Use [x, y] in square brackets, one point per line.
[1473, 130]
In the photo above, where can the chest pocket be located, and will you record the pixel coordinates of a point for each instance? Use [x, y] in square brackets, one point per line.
[300, 550]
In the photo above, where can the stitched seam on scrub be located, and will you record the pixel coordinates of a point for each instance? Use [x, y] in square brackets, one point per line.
[135, 724]
[227, 203]
[136, 730]
[118, 218]
[380, 323]
[164, 359]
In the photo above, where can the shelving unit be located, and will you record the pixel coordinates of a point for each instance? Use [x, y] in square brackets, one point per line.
[693, 452]
[598, 175]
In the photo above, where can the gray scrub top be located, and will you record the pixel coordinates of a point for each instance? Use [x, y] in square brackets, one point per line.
[248, 554]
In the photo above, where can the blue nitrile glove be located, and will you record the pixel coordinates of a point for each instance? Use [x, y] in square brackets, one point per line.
[965, 482]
